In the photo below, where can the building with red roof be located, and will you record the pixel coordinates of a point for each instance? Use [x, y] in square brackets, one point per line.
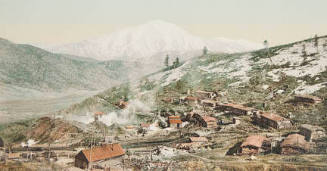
[96, 154]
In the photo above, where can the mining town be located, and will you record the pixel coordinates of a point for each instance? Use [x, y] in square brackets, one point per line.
[153, 109]
[202, 129]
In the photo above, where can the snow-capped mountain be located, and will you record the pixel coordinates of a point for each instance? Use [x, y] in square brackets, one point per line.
[148, 40]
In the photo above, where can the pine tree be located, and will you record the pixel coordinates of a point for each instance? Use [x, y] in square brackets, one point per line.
[205, 50]
[177, 61]
[266, 44]
[167, 61]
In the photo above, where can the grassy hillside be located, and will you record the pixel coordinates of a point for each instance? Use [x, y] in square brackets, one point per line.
[30, 67]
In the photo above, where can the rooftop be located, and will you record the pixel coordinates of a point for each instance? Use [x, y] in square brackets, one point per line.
[295, 140]
[254, 140]
[272, 116]
[103, 152]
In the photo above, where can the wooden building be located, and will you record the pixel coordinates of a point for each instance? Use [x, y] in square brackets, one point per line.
[267, 120]
[312, 132]
[307, 99]
[294, 144]
[255, 144]
[174, 121]
[205, 121]
[235, 108]
[96, 154]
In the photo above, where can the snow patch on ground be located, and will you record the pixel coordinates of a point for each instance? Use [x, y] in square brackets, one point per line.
[309, 89]
[233, 68]
[299, 66]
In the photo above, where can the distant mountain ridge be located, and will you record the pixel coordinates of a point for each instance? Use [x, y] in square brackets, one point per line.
[34, 68]
[148, 41]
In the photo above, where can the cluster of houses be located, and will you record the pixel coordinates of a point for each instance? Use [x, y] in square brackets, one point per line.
[296, 143]
[255, 144]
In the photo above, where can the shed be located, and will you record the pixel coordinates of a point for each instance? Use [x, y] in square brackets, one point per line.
[294, 144]
[100, 153]
[255, 144]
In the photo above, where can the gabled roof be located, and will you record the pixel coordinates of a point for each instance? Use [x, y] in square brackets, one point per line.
[295, 140]
[103, 152]
[272, 116]
[254, 140]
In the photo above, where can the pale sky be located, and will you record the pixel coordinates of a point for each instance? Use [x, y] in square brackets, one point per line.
[65, 21]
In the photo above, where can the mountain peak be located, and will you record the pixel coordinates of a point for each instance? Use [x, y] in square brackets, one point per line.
[149, 41]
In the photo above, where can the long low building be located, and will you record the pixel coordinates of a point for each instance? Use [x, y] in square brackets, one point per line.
[96, 154]
[235, 108]
[266, 120]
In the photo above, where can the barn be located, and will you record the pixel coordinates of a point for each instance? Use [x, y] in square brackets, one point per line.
[96, 154]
